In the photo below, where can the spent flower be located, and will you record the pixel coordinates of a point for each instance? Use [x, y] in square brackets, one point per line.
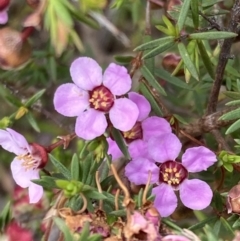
[93, 95]
[171, 175]
[26, 165]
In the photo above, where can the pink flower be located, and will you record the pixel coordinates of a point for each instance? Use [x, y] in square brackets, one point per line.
[145, 128]
[172, 175]
[175, 238]
[25, 166]
[93, 95]
[4, 4]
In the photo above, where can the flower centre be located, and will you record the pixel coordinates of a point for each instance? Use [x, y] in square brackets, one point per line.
[133, 134]
[172, 173]
[28, 161]
[101, 98]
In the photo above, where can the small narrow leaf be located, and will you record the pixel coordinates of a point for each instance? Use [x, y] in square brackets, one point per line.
[203, 223]
[61, 168]
[152, 81]
[234, 102]
[212, 35]
[120, 142]
[155, 43]
[32, 122]
[205, 58]
[63, 227]
[144, 90]
[187, 60]
[195, 14]
[75, 167]
[158, 50]
[183, 14]
[235, 126]
[234, 114]
[172, 79]
[34, 98]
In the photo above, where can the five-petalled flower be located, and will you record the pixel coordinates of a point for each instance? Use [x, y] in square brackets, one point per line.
[145, 128]
[172, 175]
[94, 95]
[25, 166]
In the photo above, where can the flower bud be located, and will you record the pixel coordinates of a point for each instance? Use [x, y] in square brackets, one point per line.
[233, 200]
[4, 4]
[153, 216]
[14, 50]
[170, 62]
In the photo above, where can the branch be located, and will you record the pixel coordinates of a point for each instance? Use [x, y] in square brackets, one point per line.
[223, 58]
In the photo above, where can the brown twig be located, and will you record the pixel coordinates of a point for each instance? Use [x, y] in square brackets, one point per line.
[213, 23]
[223, 59]
[221, 141]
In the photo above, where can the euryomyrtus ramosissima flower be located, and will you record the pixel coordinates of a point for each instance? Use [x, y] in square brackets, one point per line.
[175, 238]
[145, 128]
[233, 200]
[4, 4]
[171, 175]
[26, 165]
[93, 95]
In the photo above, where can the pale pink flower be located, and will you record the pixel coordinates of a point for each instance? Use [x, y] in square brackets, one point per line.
[25, 166]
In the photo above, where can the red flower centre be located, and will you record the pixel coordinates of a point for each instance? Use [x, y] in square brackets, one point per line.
[172, 173]
[101, 98]
[133, 134]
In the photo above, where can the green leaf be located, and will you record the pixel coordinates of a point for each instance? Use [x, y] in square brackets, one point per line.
[235, 126]
[94, 195]
[203, 223]
[32, 122]
[151, 99]
[171, 224]
[216, 227]
[75, 167]
[5, 216]
[187, 60]
[234, 114]
[120, 142]
[123, 59]
[236, 223]
[60, 167]
[206, 59]
[152, 81]
[232, 94]
[63, 227]
[195, 13]
[158, 50]
[46, 182]
[86, 166]
[233, 103]
[212, 35]
[227, 225]
[34, 98]
[228, 167]
[183, 14]
[85, 233]
[155, 43]
[118, 213]
[209, 3]
[163, 74]
[165, 30]
[150, 63]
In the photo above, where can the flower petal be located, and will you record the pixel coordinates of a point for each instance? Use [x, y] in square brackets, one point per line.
[14, 142]
[3, 17]
[142, 103]
[164, 148]
[165, 200]
[113, 149]
[155, 126]
[69, 100]
[137, 171]
[86, 73]
[35, 192]
[138, 148]
[117, 79]
[90, 124]
[175, 238]
[123, 114]
[22, 176]
[195, 194]
[197, 159]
